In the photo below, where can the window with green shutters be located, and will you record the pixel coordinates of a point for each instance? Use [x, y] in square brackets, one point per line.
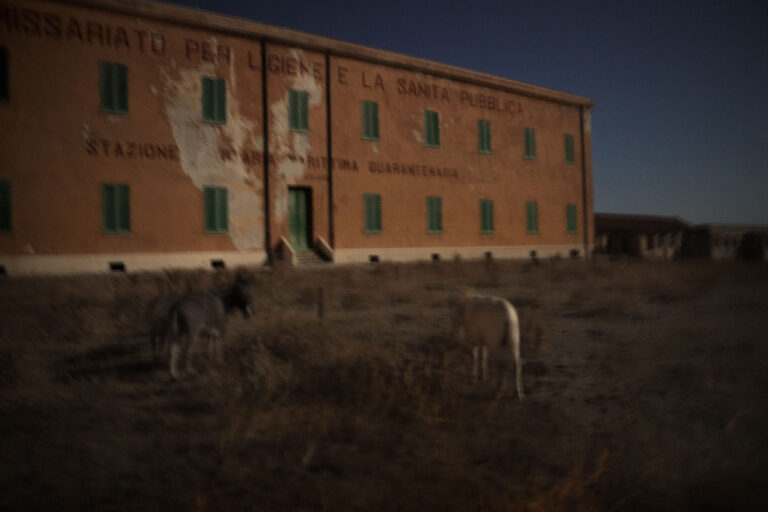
[4, 95]
[484, 135]
[432, 128]
[214, 100]
[298, 110]
[530, 143]
[116, 208]
[370, 120]
[569, 158]
[486, 216]
[434, 214]
[5, 205]
[216, 210]
[113, 84]
[532, 217]
[372, 212]
[570, 218]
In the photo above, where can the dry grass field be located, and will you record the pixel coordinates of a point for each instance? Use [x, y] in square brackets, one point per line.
[646, 390]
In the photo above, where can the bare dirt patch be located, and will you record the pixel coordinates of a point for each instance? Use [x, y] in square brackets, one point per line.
[645, 390]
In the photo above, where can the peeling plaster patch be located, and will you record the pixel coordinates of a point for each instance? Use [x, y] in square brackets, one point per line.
[153, 89]
[375, 149]
[199, 144]
[588, 123]
[417, 136]
[286, 141]
[86, 131]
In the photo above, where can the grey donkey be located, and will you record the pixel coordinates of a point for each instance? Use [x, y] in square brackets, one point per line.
[200, 314]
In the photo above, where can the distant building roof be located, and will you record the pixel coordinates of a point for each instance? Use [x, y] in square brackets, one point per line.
[639, 223]
[732, 228]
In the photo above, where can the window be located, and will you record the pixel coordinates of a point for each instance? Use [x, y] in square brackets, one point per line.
[370, 120]
[5, 205]
[530, 143]
[484, 135]
[372, 212]
[432, 128]
[570, 218]
[532, 217]
[569, 158]
[298, 110]
[214, 100]
[486, 216]
[115, 202]
[434, 215]
[216, 210]
[114, 87]
[3, 75]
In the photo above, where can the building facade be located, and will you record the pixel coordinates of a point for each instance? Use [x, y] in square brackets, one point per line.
[143, 136]
[646, 236]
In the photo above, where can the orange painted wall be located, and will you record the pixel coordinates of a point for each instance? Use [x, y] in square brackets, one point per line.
[504, 175]
[61, 147]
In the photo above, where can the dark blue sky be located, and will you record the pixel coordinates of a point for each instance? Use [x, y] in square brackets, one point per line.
[680, 125]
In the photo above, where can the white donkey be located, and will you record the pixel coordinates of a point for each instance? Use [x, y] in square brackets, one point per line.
[491, 323]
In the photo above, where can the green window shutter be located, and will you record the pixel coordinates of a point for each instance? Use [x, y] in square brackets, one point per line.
[113, 87]
[486, 215]
[220, 100]
[569, 158]
[209, 195]
[530, 143]
[370, 120]
[4, 88]
[298, 110]
[372, 212]
[222, 210]
[121, 87]
[5, 205]
[532, 217]
[116, 208]
[484, 135]
[432, 128]
[216, 209]
[570, 218]
[434, 214]
[214, 100]
[108, 207]
[123, 211]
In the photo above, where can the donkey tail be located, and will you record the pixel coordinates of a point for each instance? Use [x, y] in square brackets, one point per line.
[513, 338]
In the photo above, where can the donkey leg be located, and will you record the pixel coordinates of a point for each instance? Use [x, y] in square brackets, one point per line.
[519, 377]
[485, 362]
[175, 350]
[475, 363]
[190, 350]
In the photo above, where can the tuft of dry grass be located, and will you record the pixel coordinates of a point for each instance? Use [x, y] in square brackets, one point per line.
[350, 390]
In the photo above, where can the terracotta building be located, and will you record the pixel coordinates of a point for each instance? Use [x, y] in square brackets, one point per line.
[140, 135]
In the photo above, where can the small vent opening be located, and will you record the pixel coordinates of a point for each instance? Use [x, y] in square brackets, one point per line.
[116, 266]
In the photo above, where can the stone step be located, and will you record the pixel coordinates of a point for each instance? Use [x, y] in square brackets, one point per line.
[309, 257]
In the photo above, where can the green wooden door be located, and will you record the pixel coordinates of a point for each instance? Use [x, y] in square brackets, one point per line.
[298, 214]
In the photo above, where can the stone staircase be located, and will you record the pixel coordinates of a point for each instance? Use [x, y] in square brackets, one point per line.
[309, 258]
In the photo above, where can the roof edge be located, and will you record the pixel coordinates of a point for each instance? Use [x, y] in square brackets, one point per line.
[199, 18]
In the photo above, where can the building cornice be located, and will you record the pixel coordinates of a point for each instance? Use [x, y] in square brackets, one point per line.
[199, 19]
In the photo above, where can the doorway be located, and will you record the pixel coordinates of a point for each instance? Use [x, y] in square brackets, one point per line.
[300, 217]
